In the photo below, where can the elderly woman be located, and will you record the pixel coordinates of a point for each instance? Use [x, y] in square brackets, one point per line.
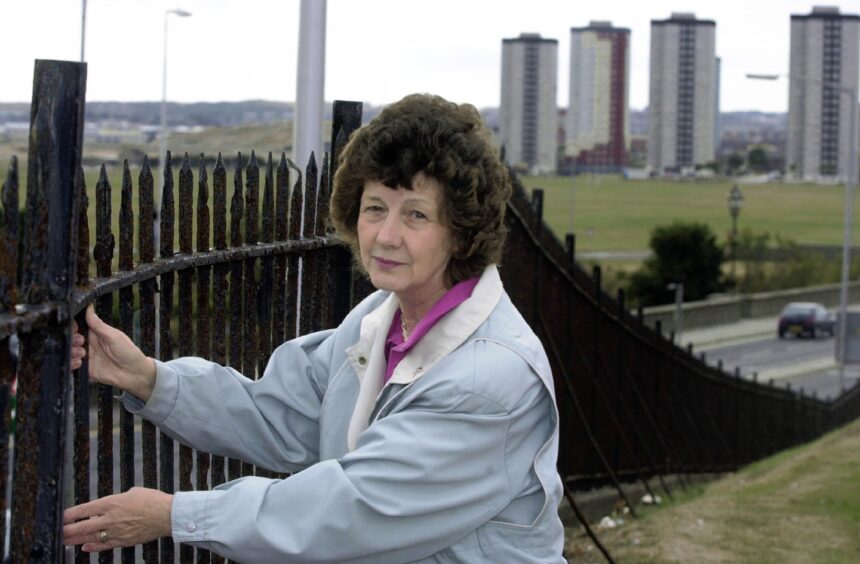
[423, 428]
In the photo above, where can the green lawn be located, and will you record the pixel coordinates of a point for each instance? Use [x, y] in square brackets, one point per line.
[608, 213]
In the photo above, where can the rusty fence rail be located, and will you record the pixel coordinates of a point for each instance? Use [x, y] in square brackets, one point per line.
[633, 406]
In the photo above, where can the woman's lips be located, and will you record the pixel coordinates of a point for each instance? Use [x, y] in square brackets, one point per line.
[385, 263]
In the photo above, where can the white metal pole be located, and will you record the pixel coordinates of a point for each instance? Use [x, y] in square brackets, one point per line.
[310, 83]
[83, 26]
[310, 97]
[850, 181]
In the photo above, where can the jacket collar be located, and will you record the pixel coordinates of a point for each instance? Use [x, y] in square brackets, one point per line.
[367, 356]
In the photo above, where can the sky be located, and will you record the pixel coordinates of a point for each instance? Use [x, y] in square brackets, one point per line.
[377, 51]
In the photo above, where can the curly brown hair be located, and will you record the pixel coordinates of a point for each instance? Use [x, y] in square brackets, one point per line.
[447, 142]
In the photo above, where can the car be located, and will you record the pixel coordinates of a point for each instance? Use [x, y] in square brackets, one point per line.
[806, 319]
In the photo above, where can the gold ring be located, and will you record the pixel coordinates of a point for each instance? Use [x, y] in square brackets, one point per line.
[103, 536]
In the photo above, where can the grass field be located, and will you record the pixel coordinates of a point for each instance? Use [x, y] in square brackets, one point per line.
[802, 505]
[608, 213]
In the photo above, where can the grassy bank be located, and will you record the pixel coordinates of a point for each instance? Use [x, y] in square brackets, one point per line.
[802, 505]
[608, 213]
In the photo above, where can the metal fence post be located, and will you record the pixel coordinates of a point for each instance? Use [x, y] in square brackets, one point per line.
[56, 140]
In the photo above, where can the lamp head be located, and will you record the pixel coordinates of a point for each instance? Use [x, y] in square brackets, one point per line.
[736, 199]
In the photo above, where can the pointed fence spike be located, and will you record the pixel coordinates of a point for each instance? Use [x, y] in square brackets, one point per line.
[186, 206]
[83, 236]
[146, 214]
[126, 221]
[219, 204]
[167, 214]
[282, 199]
[295, 222]
[237, 205]
[322, 211]
[268, 226]
[203, 228]
[104, 247]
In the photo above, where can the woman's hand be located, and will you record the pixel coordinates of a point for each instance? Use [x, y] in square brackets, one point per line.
[134, 517]
[113, 358]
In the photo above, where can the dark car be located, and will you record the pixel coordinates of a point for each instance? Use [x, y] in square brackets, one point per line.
[806, 318]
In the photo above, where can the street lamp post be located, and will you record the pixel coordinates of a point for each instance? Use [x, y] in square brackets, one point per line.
[162, 158]
[678, 313]
[735, 200]
[162, 130]
[850, 183]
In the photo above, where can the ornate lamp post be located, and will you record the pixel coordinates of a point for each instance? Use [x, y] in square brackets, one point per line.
[735, 200]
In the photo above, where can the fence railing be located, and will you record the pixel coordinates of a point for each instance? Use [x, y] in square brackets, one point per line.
[633, 406]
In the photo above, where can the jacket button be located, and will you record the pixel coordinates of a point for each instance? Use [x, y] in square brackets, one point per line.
[191, 526]
[362, 360]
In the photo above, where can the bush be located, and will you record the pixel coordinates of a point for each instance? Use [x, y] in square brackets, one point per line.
[773, 263]
[682, 252]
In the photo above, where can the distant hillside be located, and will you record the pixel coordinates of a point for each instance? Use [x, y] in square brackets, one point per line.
[206, 114]
[225, 114]
[730, 122]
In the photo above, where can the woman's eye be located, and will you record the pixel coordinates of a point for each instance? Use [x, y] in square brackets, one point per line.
[418, 215]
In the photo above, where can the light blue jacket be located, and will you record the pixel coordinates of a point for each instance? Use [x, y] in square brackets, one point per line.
[454, 460]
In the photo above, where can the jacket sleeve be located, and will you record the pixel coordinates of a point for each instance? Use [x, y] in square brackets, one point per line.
[272, 422]
[420, 480]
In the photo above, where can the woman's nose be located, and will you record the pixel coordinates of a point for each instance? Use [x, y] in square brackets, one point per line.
[389, 234]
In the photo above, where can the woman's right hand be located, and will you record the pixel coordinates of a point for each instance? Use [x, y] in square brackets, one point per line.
[113, 358]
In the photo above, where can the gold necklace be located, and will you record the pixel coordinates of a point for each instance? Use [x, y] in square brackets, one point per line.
[403, 331]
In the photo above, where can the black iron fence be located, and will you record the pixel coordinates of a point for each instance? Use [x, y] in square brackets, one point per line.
[634, 407]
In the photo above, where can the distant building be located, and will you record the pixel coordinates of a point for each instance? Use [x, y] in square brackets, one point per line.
[683, 93]
[824, 54]
[598, 133]
[528, 116]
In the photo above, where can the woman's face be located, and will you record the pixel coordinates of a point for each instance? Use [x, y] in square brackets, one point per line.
[403, 242]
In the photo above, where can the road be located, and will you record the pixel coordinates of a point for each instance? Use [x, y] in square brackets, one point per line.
[802, 363]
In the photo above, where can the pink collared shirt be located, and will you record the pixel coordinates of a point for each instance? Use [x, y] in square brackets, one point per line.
[396, 348]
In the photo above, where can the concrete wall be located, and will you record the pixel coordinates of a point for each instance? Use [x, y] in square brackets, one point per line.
[728, 309]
